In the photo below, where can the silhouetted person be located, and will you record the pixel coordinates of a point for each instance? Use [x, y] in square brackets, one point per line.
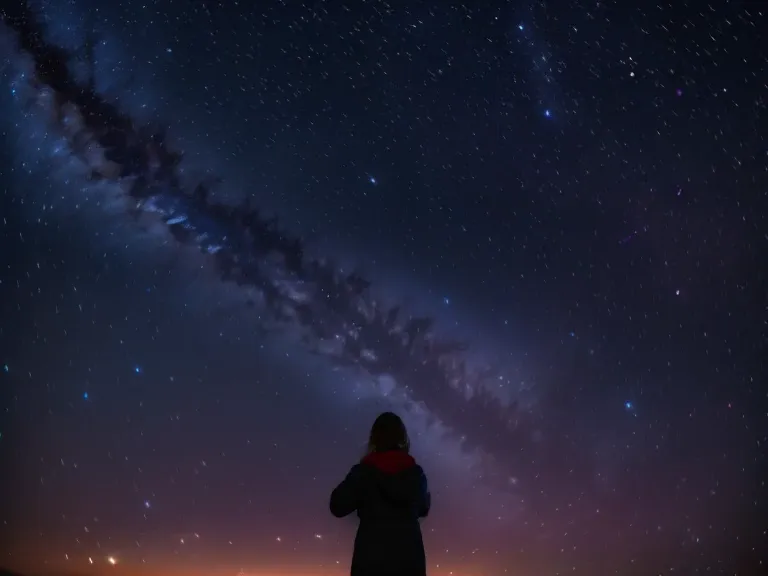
[388, 490]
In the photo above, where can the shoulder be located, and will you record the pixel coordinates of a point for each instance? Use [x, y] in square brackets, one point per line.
[357, 475]
[421, 476]
[356, 471]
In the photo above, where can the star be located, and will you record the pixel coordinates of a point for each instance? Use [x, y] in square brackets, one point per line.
[548, 113]
[137, 369]
[85, 395]
[372, 180]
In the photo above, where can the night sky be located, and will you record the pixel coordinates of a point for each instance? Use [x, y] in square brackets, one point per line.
[535, 230]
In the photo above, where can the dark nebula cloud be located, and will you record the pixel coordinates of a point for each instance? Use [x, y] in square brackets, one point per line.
[334, 310]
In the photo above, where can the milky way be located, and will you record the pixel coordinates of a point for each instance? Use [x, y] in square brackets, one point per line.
[597, 403]
[334, 310]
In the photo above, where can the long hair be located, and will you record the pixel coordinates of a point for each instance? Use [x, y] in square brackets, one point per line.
[388, 433]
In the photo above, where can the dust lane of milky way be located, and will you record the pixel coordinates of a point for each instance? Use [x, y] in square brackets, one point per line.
[337, 315]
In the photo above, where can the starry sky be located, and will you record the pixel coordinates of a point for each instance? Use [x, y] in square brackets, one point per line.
[556, 211]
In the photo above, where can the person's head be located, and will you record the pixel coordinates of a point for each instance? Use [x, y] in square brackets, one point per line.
[388, 433]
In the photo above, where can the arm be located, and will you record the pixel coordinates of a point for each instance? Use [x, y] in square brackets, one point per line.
[425, 500]
[346, 496]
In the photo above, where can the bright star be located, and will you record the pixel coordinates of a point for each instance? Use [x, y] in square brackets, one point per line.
[85, 395]
[372, 180]
[628, 405]
[548, 113]
[520, 27]
[137, 369]
[446, 301]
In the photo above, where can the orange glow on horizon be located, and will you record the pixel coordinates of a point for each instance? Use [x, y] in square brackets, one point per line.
[112, 565]
[60, 561]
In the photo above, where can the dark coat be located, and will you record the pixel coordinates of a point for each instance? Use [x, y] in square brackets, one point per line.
[388, 490]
